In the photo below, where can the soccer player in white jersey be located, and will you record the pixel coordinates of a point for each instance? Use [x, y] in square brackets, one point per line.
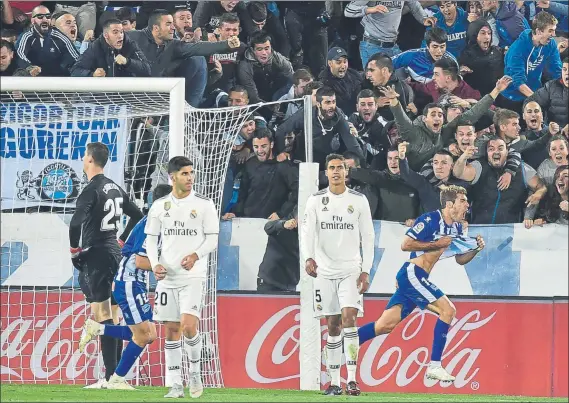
[188, 226]
[337, 222]
[435, 235]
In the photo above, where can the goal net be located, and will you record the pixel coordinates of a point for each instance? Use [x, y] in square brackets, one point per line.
[42, 141]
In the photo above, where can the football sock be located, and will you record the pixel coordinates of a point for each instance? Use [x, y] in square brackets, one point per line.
[366, 332]
[118, 332]
[334, 358]
[193, 347]
[439, 341]
[109, 350]
[129, 356]
[351, 350]
[173, 355]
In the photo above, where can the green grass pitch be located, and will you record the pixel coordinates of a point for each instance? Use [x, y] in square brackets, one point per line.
[73, 393]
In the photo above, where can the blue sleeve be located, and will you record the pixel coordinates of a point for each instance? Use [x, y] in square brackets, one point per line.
[515, 65]
[422, 229]
[558, 8]
[554, 65]
[402, 59]
[135, 242]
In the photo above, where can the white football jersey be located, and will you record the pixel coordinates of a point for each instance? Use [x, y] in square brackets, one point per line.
[334, 228]
[182, 225]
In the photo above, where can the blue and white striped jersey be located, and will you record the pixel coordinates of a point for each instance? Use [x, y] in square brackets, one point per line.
[431, 226]
[134, 245]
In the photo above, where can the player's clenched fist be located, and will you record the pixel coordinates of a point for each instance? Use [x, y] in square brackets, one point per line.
[480, 242]
[311, 267]
[159, 272]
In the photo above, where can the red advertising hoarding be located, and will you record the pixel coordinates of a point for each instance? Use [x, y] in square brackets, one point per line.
[494, 347]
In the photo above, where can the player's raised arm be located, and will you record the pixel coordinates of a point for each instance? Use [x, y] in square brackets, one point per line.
[308, 231]
[132, 211]
[87, 199]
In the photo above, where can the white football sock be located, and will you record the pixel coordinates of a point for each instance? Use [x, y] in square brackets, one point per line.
[193, 348]
[173, 354]
[351, 350]
[334, 358]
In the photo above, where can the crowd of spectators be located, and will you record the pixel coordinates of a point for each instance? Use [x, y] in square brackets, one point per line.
[415, 94]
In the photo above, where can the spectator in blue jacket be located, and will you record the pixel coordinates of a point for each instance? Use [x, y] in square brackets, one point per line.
[505, 19]
[419, 64]
[454, 21]
[534, 51]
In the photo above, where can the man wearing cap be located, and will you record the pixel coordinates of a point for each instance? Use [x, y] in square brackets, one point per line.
[381, 21]
[345, 82]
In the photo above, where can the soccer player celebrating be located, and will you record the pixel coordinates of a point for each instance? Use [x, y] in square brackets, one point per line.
[96, 221]
[130, 293]
[188, 226]
[336, 222]
[429, 241]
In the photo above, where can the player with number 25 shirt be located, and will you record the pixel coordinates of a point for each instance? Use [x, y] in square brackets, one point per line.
[188, 226]
[96, 221]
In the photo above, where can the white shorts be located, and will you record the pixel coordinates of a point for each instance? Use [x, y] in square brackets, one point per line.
[331, 296]
[171, 303]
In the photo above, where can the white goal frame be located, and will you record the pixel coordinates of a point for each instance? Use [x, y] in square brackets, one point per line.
[310, 335]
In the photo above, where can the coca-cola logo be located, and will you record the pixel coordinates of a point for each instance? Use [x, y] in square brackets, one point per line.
[46, 346]
[381, 361]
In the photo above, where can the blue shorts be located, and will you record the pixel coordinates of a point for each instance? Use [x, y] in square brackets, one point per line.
[414, 289]
[132, 298]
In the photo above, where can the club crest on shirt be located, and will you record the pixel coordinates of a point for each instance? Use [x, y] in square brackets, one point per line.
[167, 205]
[350, 209]
[325, 200]
[193, 214]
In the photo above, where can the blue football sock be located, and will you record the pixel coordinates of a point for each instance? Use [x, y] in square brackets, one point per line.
[118, 332]
[129, 356]
[366, 332]
[439, 340]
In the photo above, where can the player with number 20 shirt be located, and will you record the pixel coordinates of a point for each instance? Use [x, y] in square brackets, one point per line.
[95, 222]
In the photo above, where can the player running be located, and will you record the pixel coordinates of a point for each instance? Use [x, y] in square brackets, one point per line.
[188, 225]
[95, 222]
[428, 241]
[130, 293]
[336, 222]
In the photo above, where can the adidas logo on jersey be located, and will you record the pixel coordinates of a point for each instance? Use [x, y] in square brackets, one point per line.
[325, 209]
[166, 215]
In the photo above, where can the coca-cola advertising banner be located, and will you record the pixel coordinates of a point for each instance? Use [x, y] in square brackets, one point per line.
[509, 347]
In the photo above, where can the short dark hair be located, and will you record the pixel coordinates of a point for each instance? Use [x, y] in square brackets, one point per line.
[8, 32]
[7, 44]
[494, 138]
[301, 74]
[501, 117]
[99, 152]
[258, 38]
[449, 67]
[262, 133]
[156, 16]
[437, 35]
[161, 191]
[556, 138]
[449, 193]
[365, 94]
[445, 152]
[126, 14]
[432, 105]
[228, 18]
[109, 22]
[351, 155]
[239, 88]
[324, 92]
[257, 10]
[542, 20]
[566, 60]
[331, 157]
[178, 162]
[382, 60]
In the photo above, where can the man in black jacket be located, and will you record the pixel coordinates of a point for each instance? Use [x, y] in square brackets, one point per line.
[269, 189]
[380, 73]
[482, 64]
[266, 74]
[7, 60]
[330, 131]
[280, 268]
[44, 50]
[170, 57]
[553, 97]
[112, 55]
[346, 82]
